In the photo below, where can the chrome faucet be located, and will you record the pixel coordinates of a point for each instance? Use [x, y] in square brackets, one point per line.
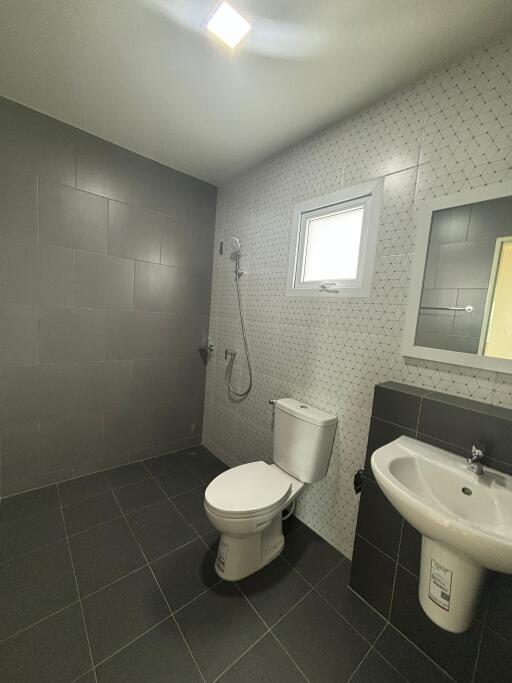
[475, 460]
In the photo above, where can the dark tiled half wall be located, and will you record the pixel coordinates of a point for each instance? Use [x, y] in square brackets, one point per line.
[386, 558]
[105, 275]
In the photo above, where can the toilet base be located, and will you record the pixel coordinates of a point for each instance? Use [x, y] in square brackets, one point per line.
[241, 556]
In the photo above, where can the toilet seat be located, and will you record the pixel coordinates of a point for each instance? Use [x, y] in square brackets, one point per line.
[247, 491]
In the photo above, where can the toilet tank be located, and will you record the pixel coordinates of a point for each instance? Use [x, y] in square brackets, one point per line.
[303, 439]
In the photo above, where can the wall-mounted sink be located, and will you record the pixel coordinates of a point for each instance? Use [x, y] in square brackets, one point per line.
[465, 520]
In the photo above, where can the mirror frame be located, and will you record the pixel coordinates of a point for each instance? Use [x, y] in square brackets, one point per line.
[425, 209]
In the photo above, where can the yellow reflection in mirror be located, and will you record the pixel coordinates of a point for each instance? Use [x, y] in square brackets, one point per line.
[498, 342]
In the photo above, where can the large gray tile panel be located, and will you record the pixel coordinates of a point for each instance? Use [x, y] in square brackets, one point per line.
[72, 218]
[450, 225]
[19, 335]
[72, 388]
[156, 379]
[432, 320]
[37, 144]
[18, 394]
[491, 219]
[193, 332]
[158, 288]
[196, 291]
[465, 265]
[20, 451]
[70, 441]
[71, 334]
[135, 233]
[142, 334]
[108, 170]
[103, 281]
[35, 275]
[128, 430]
[177, 419]
[448, 342]
[18, 205]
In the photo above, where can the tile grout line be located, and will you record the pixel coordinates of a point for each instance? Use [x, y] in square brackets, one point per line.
[274, 636]
[77, 588]
[246, 651]
[162, 593]
[39, 621]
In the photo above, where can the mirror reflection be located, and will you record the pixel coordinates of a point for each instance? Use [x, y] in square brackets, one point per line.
[466, 301]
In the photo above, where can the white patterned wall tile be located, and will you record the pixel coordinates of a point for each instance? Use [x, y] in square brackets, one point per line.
[331, 354]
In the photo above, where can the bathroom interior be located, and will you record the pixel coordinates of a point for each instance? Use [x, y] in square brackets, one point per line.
[255, 341]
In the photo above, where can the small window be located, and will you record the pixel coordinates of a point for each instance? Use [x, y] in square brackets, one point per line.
[333, 243]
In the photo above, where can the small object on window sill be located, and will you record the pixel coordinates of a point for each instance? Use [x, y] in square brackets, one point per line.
[358, 480]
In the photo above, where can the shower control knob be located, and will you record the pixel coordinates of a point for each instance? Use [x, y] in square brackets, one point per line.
[272, 401]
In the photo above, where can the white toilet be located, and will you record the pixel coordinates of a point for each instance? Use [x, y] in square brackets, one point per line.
[245, 503]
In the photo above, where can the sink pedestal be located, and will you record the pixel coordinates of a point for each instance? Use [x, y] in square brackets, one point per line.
[450, 585]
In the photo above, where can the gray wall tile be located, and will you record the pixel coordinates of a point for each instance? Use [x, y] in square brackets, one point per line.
[20, 451]
[37, 144]
[19, 335]
[135, 233]
[196, 291]
[73, 388]
[72, 218]
[103, 281]
[140, 334]
[491, 219]
[35, 275]
[450, 225]
[18, 394]
[108, 170]
[470, 324]
[69, 441]
[128, 430]
[71, 334]
[18, 206]
[464, 265]
[158, 288]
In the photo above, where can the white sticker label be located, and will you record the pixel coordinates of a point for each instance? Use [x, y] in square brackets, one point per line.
[222, 554]
[440, 585]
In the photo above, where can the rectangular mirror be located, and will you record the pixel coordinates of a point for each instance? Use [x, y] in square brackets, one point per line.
[460, 303]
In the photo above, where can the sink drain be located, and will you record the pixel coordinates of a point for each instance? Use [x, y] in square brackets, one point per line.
[466, 491]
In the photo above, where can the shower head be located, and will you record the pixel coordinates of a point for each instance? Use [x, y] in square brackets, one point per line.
[235, 244]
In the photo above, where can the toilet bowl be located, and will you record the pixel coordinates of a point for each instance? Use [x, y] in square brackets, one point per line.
[245, 503]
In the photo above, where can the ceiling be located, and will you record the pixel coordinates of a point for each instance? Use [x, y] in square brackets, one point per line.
[145, 75]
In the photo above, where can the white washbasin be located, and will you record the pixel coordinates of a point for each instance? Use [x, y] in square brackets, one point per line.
[441, 498]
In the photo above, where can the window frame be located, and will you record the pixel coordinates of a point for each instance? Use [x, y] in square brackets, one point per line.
[368, 194]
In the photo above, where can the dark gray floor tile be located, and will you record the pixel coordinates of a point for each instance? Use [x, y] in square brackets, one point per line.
[164, 464]
[141, 494]
[118, 614]
[266, 662]
[180, 481]
[159, 529]
[495, 659]
[30, 533]
[88, 678]
[322, 644]
[103, 554]
[274, 590]
[90, 512]
[374, 669]
[196, 454]
[291, 524]
[35, 586]
[499, 612]
[185, 573]
[23, 505]
[54, 650]
[158, 657]
[407, 659]
[363, 618]
[83, 487]
[219, 626]
[126, 474]
[310, 555]
[207, 471]
[191, 506]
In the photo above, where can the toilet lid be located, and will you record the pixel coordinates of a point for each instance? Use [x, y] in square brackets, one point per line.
[247, 489]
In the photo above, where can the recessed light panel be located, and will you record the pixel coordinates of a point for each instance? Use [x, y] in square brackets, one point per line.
[228, 25]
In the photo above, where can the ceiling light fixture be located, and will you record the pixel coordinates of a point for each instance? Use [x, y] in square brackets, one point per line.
[228, 25]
